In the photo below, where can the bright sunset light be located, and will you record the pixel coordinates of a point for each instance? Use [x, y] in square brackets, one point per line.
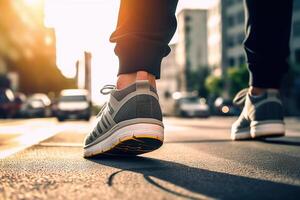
[86, 25]
[32, 2]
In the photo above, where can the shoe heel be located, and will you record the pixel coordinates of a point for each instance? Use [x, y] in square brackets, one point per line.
[268, 130]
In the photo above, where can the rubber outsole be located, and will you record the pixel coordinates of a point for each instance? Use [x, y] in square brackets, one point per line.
[274, 135]
[268, 130]
[260, 131]
[240, 135]
[132, 147]
[128, 141]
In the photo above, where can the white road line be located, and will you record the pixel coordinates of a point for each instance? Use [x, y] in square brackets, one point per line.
[60, 144]
[30, 132]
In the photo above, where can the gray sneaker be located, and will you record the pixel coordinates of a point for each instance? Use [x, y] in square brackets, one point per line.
[130, 123]
[262, 116]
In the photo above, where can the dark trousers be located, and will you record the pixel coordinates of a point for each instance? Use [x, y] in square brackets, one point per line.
[145, 27]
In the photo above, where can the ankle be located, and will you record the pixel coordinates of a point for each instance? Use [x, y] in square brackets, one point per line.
[125, 80]
[255, 91]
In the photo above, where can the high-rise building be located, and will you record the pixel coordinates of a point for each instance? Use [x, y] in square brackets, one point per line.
[214, 38]
[28, 49]
[191, 51]
[170, 81]
[83, 71]
[295, 36]
[233, 26]
[83, 75]
[88, 71]
[226, 32]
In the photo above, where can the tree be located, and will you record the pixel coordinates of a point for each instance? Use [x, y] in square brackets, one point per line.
[214, 85]
[238, 78]
[234, 79]
[24, 49]
[196, 80]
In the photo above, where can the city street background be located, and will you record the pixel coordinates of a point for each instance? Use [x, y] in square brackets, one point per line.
[197, 161]
[50, 46]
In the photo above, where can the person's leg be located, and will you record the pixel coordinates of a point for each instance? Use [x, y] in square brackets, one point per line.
[131, 121]
[142, 35]
[268, 27]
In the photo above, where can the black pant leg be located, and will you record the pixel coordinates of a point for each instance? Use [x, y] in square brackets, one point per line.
[145, 27]
[268, 27]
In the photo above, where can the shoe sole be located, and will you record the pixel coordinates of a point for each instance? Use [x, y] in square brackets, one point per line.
[241, 135]
[130, 140]
[268, 130]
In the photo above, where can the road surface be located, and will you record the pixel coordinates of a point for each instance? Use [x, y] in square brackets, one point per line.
[42, 159]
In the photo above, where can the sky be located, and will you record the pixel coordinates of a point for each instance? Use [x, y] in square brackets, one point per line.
[86, 25]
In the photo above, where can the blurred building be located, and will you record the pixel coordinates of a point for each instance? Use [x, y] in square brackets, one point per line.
[188, 56]
[292, 101]
[191, 51]
[214, 38]
[88, 71]
[233, 26]
[226, 32]
[83, 72]
[295, 36]
[28, 48]
[170, 80]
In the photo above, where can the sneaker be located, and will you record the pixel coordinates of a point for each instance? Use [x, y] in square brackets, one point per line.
[262, 116]
[130, 123]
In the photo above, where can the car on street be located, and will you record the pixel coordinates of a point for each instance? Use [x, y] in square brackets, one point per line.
[20, 99]
[73, 104]
[8, 106]
[192, 106]
[37, 105]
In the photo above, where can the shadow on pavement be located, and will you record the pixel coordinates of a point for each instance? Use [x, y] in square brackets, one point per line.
[199, 181]
[201, 127]
[197, 141]
[292, 141]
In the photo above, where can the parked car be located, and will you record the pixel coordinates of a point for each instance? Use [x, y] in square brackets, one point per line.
[192, 106]
[43, 97]
[37, 105]
[8, 106]
[73, 104]
[225, 107]
[20, 99]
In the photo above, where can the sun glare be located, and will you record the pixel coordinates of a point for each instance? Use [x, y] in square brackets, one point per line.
[31, 2]
[48, 40]
[81, 26]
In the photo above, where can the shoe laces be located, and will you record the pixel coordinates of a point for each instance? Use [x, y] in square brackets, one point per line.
[240, 97]
[107, 89]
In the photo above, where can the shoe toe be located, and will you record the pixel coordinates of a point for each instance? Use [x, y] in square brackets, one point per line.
[88, 139]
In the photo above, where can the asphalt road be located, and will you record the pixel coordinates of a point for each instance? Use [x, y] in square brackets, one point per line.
[42, 159]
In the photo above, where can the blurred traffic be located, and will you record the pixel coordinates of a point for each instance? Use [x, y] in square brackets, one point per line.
[73, 104]
[69, 104]
[36, 105]
[191, 104]
[10, 103]
[76, 104]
